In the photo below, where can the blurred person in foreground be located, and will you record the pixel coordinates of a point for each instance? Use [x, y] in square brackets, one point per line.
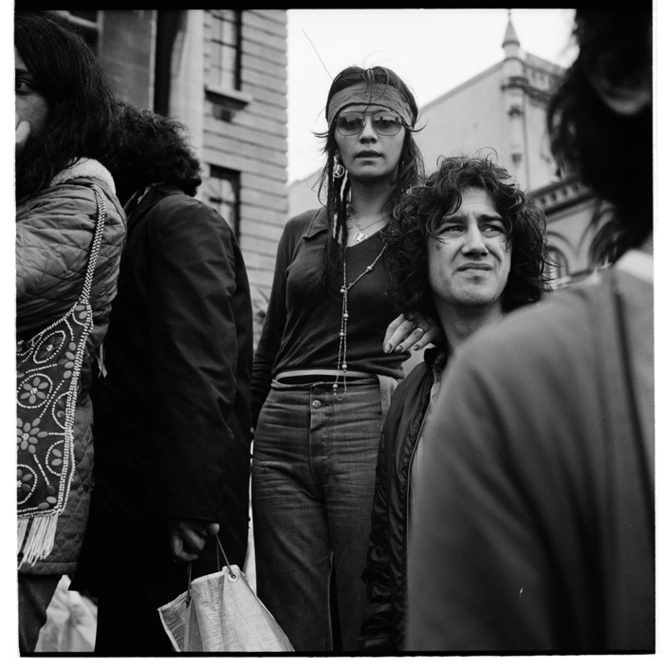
[469, 248]
[173, 429]
[64, 109]
[533, 522]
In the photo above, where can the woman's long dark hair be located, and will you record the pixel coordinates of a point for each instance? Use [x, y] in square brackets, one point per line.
[611, 153]
[68, 74]
[441, 195]
[337, 191]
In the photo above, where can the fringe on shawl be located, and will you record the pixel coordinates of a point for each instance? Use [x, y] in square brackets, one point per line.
[36, 537]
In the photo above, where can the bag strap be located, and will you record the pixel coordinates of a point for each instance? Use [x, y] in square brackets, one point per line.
[224, 554]
[96, 242]
[628, 368]
[232, 575]
[94, 253]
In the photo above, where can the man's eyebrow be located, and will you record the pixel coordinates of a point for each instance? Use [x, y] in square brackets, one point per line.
[22, 72]
[459, 218]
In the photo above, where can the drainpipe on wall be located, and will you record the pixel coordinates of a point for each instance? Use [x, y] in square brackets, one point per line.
[187, 94]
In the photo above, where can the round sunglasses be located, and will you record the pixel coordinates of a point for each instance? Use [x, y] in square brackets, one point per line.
[384, 123]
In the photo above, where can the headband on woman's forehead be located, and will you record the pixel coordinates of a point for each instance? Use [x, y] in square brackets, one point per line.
[378, 94]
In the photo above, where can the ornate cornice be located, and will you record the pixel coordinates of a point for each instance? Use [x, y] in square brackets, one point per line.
[561, 194]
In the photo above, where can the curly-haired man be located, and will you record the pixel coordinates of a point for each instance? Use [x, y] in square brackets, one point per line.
[469, 248]
[533, 524]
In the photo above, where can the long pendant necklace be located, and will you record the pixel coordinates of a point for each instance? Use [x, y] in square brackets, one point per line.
[342, 368]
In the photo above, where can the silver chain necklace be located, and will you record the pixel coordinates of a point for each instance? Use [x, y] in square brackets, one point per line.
[361, 235]
[342, 368]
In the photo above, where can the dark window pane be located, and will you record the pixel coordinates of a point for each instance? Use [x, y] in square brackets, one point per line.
[222, 191]
[225, 49]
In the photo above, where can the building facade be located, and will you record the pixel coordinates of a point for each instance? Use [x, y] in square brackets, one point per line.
[222, 73]
[501, 112]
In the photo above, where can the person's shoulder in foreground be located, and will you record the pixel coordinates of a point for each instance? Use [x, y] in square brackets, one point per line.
[532, 474]
[531, 333]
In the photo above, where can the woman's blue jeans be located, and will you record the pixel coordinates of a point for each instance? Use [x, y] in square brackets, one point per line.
[313, 482]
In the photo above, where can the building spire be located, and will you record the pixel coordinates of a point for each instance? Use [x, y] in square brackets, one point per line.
[510, 33]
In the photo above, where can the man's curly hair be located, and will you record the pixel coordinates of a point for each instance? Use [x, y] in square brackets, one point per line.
[150, 148]
[440, 196]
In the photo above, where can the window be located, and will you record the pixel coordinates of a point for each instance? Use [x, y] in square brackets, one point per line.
[223, 67]
[222, 191]
[225, 49]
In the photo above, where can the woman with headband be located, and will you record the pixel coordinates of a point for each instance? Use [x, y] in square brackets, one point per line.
[322, 378]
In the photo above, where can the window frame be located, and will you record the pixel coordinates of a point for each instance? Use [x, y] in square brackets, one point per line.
[561, 268]
[234, 178]
[218, 66]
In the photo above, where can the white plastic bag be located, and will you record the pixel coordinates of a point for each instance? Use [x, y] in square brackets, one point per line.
[71, 623]
[220, 612]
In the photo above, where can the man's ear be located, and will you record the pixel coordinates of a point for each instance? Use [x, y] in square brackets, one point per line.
[626, 95]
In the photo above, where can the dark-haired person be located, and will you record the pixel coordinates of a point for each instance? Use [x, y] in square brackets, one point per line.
[533, 522]
[173, 414]
[469, 248]
[63, 116]
[322, 380]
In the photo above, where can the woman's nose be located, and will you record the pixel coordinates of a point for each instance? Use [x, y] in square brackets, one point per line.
[367, 132]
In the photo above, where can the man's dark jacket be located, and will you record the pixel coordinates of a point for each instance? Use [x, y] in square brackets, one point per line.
[172, 420]
[383, 626]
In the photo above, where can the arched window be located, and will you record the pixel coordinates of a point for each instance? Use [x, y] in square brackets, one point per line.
[558, 266]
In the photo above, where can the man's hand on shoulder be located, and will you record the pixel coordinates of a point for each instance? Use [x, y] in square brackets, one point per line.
[188, 536]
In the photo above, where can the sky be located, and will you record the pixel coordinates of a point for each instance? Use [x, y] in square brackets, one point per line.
[433, 50]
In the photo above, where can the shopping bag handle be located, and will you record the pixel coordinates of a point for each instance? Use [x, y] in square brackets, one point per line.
[224, 554]
[232, 575]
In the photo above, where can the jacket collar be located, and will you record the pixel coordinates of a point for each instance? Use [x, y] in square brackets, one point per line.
[318, 224]
[435, 358]
[137, 207]
[85, 167]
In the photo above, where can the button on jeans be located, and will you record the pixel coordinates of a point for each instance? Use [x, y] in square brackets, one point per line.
[313, 479]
